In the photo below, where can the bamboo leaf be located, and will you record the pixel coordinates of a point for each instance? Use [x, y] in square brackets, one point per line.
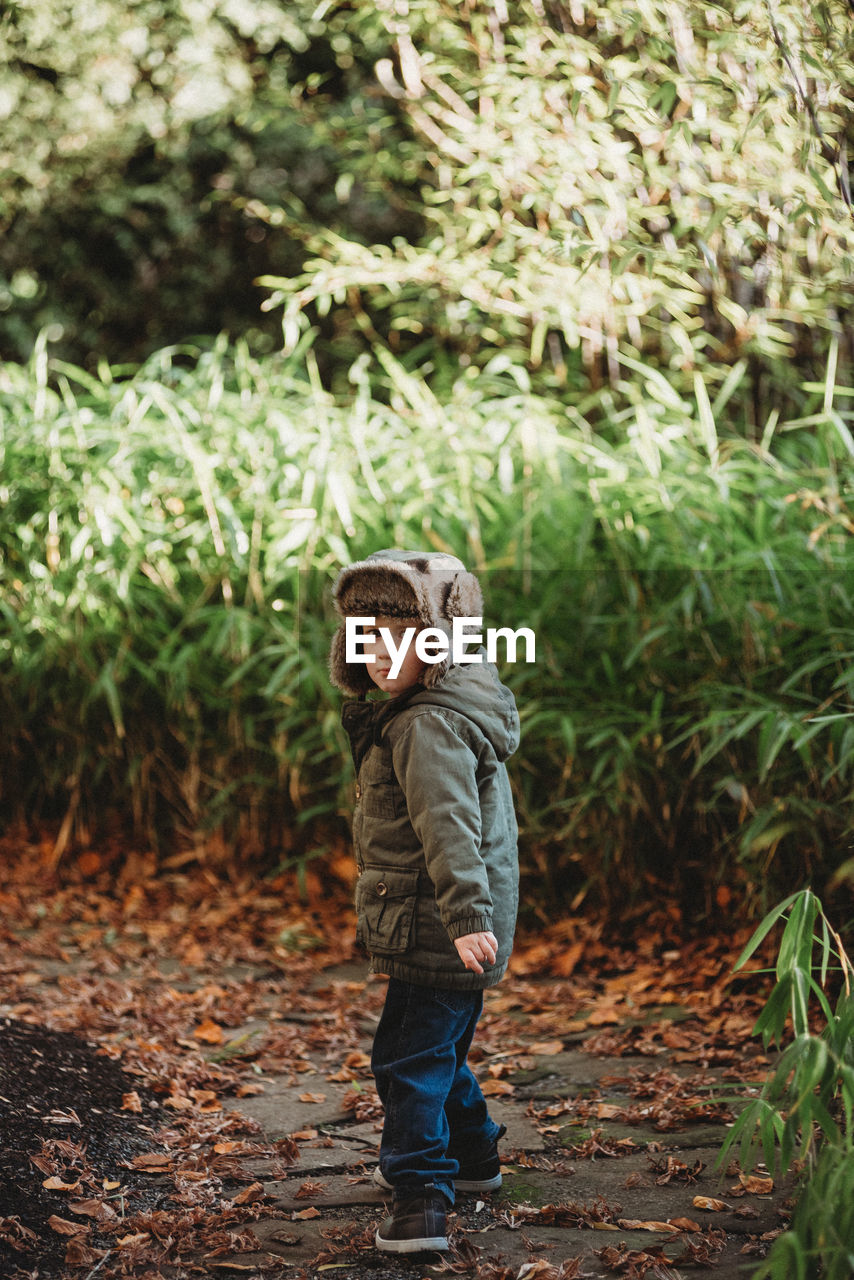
[764, 928]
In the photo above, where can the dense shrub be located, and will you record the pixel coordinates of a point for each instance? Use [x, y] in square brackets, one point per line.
[166, 547]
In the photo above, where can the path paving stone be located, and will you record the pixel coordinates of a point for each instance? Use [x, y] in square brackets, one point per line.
[555, 1204]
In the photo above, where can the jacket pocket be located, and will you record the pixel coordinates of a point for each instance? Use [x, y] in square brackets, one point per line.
[385, 907]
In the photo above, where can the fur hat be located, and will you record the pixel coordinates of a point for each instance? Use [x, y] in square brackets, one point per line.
[429, 587]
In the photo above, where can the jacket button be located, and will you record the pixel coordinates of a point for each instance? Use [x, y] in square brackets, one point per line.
[382, 889]
[358, 791]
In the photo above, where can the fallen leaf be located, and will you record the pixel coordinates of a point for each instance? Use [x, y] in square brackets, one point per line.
[723, 896]
[97, 1209]
[685, 1224]
[56, 1184]
[309, 1190]
[194, 955]
[540, 1269]
[209, 1031]
[125, 1242]
[312, 1097]
[286, 1237]
[754, 1184]
[607, 1111]
[706, 1202]
[178, 1102]
[306, 1213]
[304, 1135]
[344, 1076]
[131, 1102]
[206, 1099]
[632, 1224]
[79, 1254]
[152, 1162]
[248, 1089]
[546, 1048]
[58, 1116]
[496, 1088]
[501, 1003]
[564, 964]
[249, 1195]
[66, 1228]
[604, 1016]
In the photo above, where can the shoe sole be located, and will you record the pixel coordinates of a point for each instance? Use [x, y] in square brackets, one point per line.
[431, 1244]
[484, 1184]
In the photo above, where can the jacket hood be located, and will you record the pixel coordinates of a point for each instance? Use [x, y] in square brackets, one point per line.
[474, 690]
[429, 587]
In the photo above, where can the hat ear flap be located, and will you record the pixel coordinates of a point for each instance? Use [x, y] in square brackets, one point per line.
[346, 676]
[464, 598]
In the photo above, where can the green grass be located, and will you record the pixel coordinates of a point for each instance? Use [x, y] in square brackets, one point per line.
[803, 1119]
[167, 541]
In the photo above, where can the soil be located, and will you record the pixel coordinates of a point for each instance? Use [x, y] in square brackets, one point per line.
[61, 1105]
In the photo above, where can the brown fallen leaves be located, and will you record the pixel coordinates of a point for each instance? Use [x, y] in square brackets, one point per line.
[595, 1215]
[662, 1101]
[137, 962]
[15, 1235]
[671, 1168]
[463, 1259]
[638, 1263]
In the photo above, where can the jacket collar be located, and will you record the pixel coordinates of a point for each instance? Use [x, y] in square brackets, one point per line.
[364, 722]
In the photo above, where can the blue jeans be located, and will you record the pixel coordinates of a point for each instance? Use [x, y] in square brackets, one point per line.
[434, 1109]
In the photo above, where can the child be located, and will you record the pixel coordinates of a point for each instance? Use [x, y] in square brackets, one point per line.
[435, 834]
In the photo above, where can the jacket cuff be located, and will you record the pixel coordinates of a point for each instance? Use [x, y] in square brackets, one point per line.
[471, 924]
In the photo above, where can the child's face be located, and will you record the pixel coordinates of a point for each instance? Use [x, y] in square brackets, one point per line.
[411, 669]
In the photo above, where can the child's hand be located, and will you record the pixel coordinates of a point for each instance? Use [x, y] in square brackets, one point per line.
[475, 947]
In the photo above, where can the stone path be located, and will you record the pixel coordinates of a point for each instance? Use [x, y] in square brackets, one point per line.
[563, 1197]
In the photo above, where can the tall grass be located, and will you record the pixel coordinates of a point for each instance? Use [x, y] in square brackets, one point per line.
[804, 1116]
[168, 537]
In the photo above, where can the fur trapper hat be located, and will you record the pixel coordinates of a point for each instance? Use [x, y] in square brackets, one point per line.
[430, 588]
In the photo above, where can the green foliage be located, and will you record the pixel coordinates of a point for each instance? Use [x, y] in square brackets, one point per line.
[604, 184]
[167, 542]
[571, 185]
[139, 143]
[806, 1107]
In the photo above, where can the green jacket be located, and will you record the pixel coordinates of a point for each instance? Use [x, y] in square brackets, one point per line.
[434, 827]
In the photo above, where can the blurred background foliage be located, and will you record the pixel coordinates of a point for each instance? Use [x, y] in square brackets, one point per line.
[563, 287]
[560, 180]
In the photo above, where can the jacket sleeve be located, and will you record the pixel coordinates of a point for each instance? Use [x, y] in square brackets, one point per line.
[437, 771]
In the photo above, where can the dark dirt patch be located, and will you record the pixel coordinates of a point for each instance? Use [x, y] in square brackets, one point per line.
[61, 1116]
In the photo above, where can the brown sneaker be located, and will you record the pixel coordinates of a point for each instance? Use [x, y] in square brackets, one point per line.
[417, 1222]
